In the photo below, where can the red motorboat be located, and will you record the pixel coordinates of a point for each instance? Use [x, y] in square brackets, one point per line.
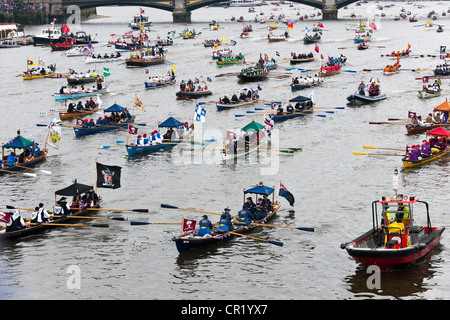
[397, 240]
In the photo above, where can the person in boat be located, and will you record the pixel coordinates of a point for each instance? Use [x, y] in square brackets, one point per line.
[225, 221]
[226, 100]
[425, 149]
[204, 227]
[361, 88]
[99, 121]
[40, 215]
[61, 207]
[80, 106]
[267, 203]
[11, 160]
[244, 216]
[249, 205]
[234, 99]
[99, 83]
[243, 96]
[289, 108]
[441, 144]
[260, 212]
[15, 222]
[402, 212]
[415, 153]
[280, 110]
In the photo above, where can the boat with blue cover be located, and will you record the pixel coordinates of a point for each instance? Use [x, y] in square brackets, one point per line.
[172, 123]
[187, 242]
[66, 96]
[92, 129]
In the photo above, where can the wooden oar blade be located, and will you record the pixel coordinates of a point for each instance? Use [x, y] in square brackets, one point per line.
[305, 229]
[277, 243]
[168, 206]
[369, 147]
[99, 225]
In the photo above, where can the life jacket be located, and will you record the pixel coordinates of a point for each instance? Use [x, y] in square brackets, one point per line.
[224, 225]
[397, 238]
[204, 228]
[244, 216]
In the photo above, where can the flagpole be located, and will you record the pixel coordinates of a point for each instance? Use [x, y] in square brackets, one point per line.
[95, 175]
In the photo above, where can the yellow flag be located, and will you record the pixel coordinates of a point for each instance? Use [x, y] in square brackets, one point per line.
[173, 67]
[138, 104]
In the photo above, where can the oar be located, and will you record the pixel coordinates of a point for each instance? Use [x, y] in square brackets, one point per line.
[24, 173]
[97, 225]
[167, 206]
[141, 223]
[43, 171]
[377, 154]
[105, 209]
[369, 147]
[393, 123]
[277, 243]
[87, 217]
[277, 226]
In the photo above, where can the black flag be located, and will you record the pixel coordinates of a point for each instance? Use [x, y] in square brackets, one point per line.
[108, 176]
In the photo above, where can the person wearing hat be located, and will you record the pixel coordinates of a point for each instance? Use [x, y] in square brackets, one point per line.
[138, 140]
[244, 216]
[425, 149]
[225, 223]
[61, 207]
[249, 205]
[99, 121]
[415, 153]
[36, 150]
[15, 222]
[40, 215]
[145, 140]
[204, 227]
[105, 120]
[260, 212]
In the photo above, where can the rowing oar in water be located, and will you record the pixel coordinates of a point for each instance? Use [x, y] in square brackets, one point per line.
[377, 154]
[141, 223]
[40, 170]
[24, 173]
[277, 243]
[257, 224]
[92, 209]
[369, 147]
[87, 217]
[393, 123]
[96, 225]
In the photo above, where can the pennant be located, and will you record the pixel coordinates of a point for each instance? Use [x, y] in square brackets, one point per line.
[131, 129]
[41, 63]
[188, 225]
[30, 62]
[317, 48]
[108, 176]
[200, 114]
[290, 25]
[286, 194]
[106, 72]
[320, 25]
[173, 67]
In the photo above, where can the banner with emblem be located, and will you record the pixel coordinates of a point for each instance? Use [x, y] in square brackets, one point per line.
[108, 176]
[188, 225]
[54, 137]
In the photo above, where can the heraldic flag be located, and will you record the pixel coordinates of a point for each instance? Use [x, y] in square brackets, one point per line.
[108, 176]
[286, 194]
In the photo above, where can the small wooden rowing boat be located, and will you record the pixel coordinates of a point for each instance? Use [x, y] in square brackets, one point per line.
[407, 163]
[229, 61]
[393, 244]
[75, 189]
[300, 60]
[251, 74]
[103, 60]
[273, 38]
[136, 61]
[76, 80]
[65, 96]
[301, 86]
[427, 94]
[82, 130]
[324, 73]
[61, 46]
[159, 84]
[77, 114]
[227, 106]
[187, 242]
[37, 76]
[192, 94]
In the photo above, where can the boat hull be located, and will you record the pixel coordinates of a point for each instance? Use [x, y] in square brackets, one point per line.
[71, 115]
[131, 62]
[392, 258]
[76, 81]
[295, 87]
[29, 164]
[192, 94]
[153, 85]
[221, 106]
[65, 96]
[414, 163]
[296, 61]
[134, 150]
[360, 98]
[415, 129]
[429, 94]
[82, 131]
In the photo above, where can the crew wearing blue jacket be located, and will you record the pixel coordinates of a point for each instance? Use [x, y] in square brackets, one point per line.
[205, 226]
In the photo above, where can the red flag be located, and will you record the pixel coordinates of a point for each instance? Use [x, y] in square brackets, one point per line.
[131, 129]
[231, 135]
[320, 25]
[373, 26]
[290, 25]
[317, 48]
[425, 79]
[188, 225]
[5, 216]
[79, 122]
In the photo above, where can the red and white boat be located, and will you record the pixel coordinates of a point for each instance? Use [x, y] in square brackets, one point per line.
[399, 242]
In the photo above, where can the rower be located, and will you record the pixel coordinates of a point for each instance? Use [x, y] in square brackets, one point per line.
[225, 223]
[11, 159]
[280, 110]
[15, 222]
[260, 211]
[61, 207]
[40, 215]
[249, 205]
[244, 216]
[99, 121]
[267, 203]
[205, 227]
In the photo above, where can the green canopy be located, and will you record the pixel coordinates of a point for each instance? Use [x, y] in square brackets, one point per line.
[255, 126]
[18, 142]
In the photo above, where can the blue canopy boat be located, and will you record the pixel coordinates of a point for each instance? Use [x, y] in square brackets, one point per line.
[66, 96]
[171, 122]
[85, 130]
[307, 107]
[186, 242]
[28, 158]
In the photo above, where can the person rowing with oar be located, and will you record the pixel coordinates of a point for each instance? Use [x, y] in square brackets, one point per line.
[225, 222]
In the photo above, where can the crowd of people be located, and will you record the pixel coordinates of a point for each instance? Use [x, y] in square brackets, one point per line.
[302, 55]
[189, 86]
[372, 89]
[11, 5]
[433, 146]
[114, 118]
[443, 68]
[41, 70]
[162, 79]
[434, 87]
[88, 74]
[307, 80]
[88, 106]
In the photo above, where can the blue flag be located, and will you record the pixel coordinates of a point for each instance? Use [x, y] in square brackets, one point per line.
[286, 194]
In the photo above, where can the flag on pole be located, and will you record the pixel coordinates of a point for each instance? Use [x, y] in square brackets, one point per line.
[268, 123]
[317, 48]
[320, 25]
[188, 225]
[106, 72]
[108, 176]
[5, 216]
[41, 63]
[200, 113]
[30, 62]
[442, 50]
[131, 129]
[290, 25]
[54, 137]
[138, 104]
[286, 194]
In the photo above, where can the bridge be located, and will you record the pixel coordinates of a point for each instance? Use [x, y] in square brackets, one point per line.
[181, 9]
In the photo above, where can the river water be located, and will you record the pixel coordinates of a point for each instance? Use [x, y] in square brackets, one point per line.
[333, 188]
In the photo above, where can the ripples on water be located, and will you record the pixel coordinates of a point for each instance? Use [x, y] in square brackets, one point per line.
[333, 188]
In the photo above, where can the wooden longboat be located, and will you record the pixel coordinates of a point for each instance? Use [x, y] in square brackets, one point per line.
[301, 86]
[193, 94]
[414, 163]
[134, 61]
[253, 76]
[286, 115]
[74, 81]
[301, 60]
[329, 73]
[426, 94]
[416, 128]
[226, 106]
[37, 76]
[61, 46]
[387, 245]
[187, 242]
[276, 38]
[30, 230]
[153, 85]
[75, 114]
[82, 131]
[229, 62]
